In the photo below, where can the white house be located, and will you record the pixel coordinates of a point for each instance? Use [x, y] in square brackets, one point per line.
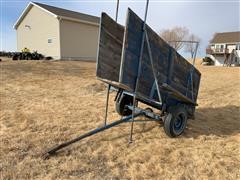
[57, 32]
[224, 49]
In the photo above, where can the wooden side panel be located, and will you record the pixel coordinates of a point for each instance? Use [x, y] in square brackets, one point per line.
[110, 49]
[169, 66]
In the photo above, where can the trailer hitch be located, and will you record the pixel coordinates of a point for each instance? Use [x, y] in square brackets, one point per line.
[56, 148]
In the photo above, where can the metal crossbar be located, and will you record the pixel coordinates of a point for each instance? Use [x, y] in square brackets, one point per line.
[153, 69]
[190, 78]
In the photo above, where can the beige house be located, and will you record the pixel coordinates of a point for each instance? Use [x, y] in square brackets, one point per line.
[57, 32]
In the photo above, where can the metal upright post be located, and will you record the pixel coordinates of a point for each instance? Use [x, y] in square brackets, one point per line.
[106, 109]
[109, 86]
[195, 54]
[194, 59]
[139, 69]
[117, 11]
[190, 79]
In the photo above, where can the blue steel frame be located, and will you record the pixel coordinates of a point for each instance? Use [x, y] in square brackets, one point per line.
[189, 81]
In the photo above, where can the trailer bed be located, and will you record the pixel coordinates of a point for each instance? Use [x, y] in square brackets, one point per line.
[118, 63]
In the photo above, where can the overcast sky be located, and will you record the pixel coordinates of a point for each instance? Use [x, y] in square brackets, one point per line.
[201, 17]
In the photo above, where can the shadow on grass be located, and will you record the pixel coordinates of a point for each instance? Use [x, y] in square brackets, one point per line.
[219, 121]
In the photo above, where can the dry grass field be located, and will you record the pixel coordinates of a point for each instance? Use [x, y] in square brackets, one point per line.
[46, 102]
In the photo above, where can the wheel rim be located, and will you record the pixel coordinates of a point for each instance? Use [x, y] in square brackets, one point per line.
[179, 123]
[122, 103]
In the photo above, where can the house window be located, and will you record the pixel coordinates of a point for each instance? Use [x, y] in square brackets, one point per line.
[49, 40]
[219, 47]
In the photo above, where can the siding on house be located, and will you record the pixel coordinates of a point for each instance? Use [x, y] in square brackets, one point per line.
[39, 31]
[231, 47]
[78, 40]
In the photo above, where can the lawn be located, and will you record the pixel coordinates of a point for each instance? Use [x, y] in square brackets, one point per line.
[43, 103]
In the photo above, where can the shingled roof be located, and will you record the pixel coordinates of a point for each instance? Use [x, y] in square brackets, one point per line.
[59, 13]
[67, 13]
[226, 37]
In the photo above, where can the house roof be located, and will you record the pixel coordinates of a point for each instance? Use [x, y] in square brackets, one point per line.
[226, 37]
[59, 13]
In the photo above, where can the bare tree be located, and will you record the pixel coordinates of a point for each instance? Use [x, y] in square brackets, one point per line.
[191, 47]
[174, 36]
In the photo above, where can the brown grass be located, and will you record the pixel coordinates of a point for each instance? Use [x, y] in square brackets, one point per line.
[47, 102]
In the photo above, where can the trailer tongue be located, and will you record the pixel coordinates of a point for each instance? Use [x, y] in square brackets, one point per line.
[139, 112]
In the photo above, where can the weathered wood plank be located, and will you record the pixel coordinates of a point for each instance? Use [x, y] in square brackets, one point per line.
[177, 94]
[177, 72]
[110, 49]
[118, 60]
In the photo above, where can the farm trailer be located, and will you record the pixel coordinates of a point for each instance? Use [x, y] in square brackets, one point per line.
[142, 67]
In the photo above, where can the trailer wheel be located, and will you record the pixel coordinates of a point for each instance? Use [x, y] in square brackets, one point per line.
[122, 103]
[175, 121]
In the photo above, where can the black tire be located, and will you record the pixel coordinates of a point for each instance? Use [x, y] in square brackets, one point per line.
[175, 121]
[122, 103]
